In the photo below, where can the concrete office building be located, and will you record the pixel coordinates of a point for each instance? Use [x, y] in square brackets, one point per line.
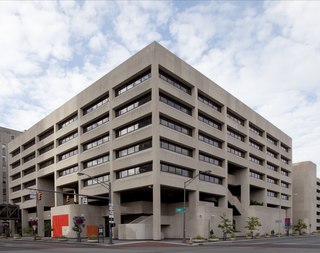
[306, 195]
[148, 126]
[6, 135]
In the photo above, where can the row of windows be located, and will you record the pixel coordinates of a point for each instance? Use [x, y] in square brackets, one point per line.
[210, 179]
[272, 180]
[255, 160]
[96, 105]
[68, 171]
[68, 154]
[211, 141]
[209, 102]
[175, 148]
[68, 121]
[272, 194]
[134, 149]
[135, 171]
[133, 127]
[175, 126]
[256, 175]
[46, 163]
[46, 134]
[210, 159]
[272, 140]
[171, 102]
[175, 170]
[96, 161]
[29, 144]
[235, 135]
[132, 105]
[209, 121]
[29, 170]
[255, 145]
[133, 83]
[272, 154]
[174, 82]
[45, 149]
[29, 157]
[96, 124]
[15, 176]
[96, 142]
[29, 184]
[284, 184]
[272, 167]
[68, 138]
[255, 130]
[96, 180]
[236, 151]
[235, 118]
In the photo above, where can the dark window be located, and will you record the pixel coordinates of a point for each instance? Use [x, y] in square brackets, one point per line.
[67, 121]
[69, 170]
[134, 170]
[175, 148]
[68, 154]
[235, 118]
[15, 176]
[210, 179]
[133, 126]
[96, 180]
[46, 148]
[236, 151]
[134, 149]
[96, 104]
[210, 159]
[255, 159]
[209, 140]
[133, 105]
[174, 169]
[235, 135]
[96, 123]
[174, 82]
[255, 130]
[46, 134]
[29, 170]
[67, 138]
[209, 121]
[209, 102]
[171, 102]
[96, 142]
[15, 152]
[175, 126]
[96, 161]
[29, 157]
[46, 163]
[133, 82]
[29, 144]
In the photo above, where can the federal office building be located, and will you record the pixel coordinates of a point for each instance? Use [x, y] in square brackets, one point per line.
[148, 126]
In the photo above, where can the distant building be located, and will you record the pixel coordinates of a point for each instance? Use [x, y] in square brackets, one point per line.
[6, 135]
[149, 126]
[306, 195]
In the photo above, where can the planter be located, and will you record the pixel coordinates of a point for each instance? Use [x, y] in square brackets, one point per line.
[198, 240]
[213, 239]
[93, 241]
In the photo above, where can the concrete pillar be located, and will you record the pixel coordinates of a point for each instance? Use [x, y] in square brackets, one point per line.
[117, 215]
[156, 212]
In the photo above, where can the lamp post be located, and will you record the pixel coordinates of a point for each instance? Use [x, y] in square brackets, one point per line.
[108, 187]
[185, 184]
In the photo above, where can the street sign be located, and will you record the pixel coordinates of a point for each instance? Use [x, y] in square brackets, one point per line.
[180, 209]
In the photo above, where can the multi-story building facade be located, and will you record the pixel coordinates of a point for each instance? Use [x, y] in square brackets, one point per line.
[6, 135]
[306, 195]
[148, 126]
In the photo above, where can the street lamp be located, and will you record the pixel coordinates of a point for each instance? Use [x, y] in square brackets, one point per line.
[108, 187]
[185, 184]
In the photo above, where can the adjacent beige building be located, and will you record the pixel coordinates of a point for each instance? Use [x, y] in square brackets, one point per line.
[6, 135]
[306, 195]
[148, 126]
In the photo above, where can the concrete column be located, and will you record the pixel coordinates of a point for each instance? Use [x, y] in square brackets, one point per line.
[40, 219]
[24, 219]
[117, 214]
[156, 212]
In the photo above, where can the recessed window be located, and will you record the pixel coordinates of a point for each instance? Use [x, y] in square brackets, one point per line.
[174, 82]
[209, 102]
[175, 148]
[96, 104]
[210, 178]
[210, 159]
[96, 161]
[174, 169]
[96, 123]
[209, 140]
[96, 142]
[133, 126]
[175, 126]
[175, 104]
[67, 121]
[133, 105]
[209, 121]
[134, 149]
[134, 170]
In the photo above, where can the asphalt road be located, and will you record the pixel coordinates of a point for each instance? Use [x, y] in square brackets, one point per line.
[273, 245]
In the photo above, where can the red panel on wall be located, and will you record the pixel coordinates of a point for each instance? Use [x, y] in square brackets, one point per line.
[58, 221]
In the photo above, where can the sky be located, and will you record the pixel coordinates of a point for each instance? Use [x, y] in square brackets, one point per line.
[265, 53]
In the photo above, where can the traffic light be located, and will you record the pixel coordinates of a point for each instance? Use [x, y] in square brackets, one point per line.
[68, 199]
[39, 195]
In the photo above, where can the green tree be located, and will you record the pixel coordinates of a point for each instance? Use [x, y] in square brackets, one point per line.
[253, 224]
[300, 226]
[226, 226]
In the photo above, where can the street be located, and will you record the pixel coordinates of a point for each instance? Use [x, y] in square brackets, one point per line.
[273, 245]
